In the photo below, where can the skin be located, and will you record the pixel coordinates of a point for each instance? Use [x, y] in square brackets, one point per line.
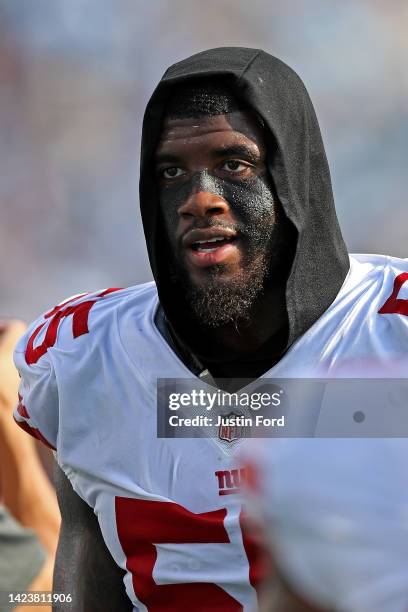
[24, 486]
[84, 566]
[212, 173]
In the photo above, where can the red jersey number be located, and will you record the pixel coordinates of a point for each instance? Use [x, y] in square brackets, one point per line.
[141, 524]
[80, 314]
[394, 304]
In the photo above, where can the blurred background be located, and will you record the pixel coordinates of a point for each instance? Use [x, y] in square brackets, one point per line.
[75, 76]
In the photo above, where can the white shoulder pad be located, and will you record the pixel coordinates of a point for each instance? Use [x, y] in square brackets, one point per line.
[37, 411]
[37, 408]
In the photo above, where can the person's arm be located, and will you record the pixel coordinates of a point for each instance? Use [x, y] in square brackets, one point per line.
[84, 567]
[24, 485]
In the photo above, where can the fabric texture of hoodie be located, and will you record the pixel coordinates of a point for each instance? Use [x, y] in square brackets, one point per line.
[298, 168]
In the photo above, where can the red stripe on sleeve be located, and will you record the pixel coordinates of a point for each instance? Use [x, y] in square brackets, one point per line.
[35, 433]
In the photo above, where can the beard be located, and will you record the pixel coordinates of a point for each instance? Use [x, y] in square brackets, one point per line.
[221, 301]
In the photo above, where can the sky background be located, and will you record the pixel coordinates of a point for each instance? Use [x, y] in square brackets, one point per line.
[75, 76]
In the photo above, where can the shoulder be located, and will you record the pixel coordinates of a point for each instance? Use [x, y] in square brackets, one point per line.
[93, 314]
[381, 281]
[371, 314]
[380, 261]
[63, 344]
[378, 265]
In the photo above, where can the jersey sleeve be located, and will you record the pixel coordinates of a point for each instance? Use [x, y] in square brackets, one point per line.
[37, 408]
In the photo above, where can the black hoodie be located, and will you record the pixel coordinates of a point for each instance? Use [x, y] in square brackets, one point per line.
[298, 168]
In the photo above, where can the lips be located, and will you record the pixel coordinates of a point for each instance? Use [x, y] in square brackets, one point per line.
[210, 246]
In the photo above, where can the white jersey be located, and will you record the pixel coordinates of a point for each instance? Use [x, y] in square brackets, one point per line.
[170, 509]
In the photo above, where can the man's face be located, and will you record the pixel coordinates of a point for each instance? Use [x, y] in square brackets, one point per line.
[218, 209]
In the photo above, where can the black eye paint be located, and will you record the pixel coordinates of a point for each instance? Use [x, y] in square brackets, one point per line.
[251, 202]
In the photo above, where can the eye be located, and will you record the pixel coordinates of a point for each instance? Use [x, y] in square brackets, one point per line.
[234, 166]
[172, 172]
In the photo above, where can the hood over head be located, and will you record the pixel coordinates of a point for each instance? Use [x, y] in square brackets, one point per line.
[297, 165]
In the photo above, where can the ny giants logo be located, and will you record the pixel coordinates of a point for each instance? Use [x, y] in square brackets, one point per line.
[231, 481]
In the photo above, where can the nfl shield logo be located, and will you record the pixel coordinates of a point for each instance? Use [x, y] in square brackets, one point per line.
[229, 433]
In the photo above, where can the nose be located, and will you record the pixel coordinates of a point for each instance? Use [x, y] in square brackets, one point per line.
[202, 203]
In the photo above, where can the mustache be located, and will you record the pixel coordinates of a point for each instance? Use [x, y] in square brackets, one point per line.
[239, 228]
[212, 222]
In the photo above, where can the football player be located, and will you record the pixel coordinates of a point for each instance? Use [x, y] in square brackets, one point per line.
[252, 279]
